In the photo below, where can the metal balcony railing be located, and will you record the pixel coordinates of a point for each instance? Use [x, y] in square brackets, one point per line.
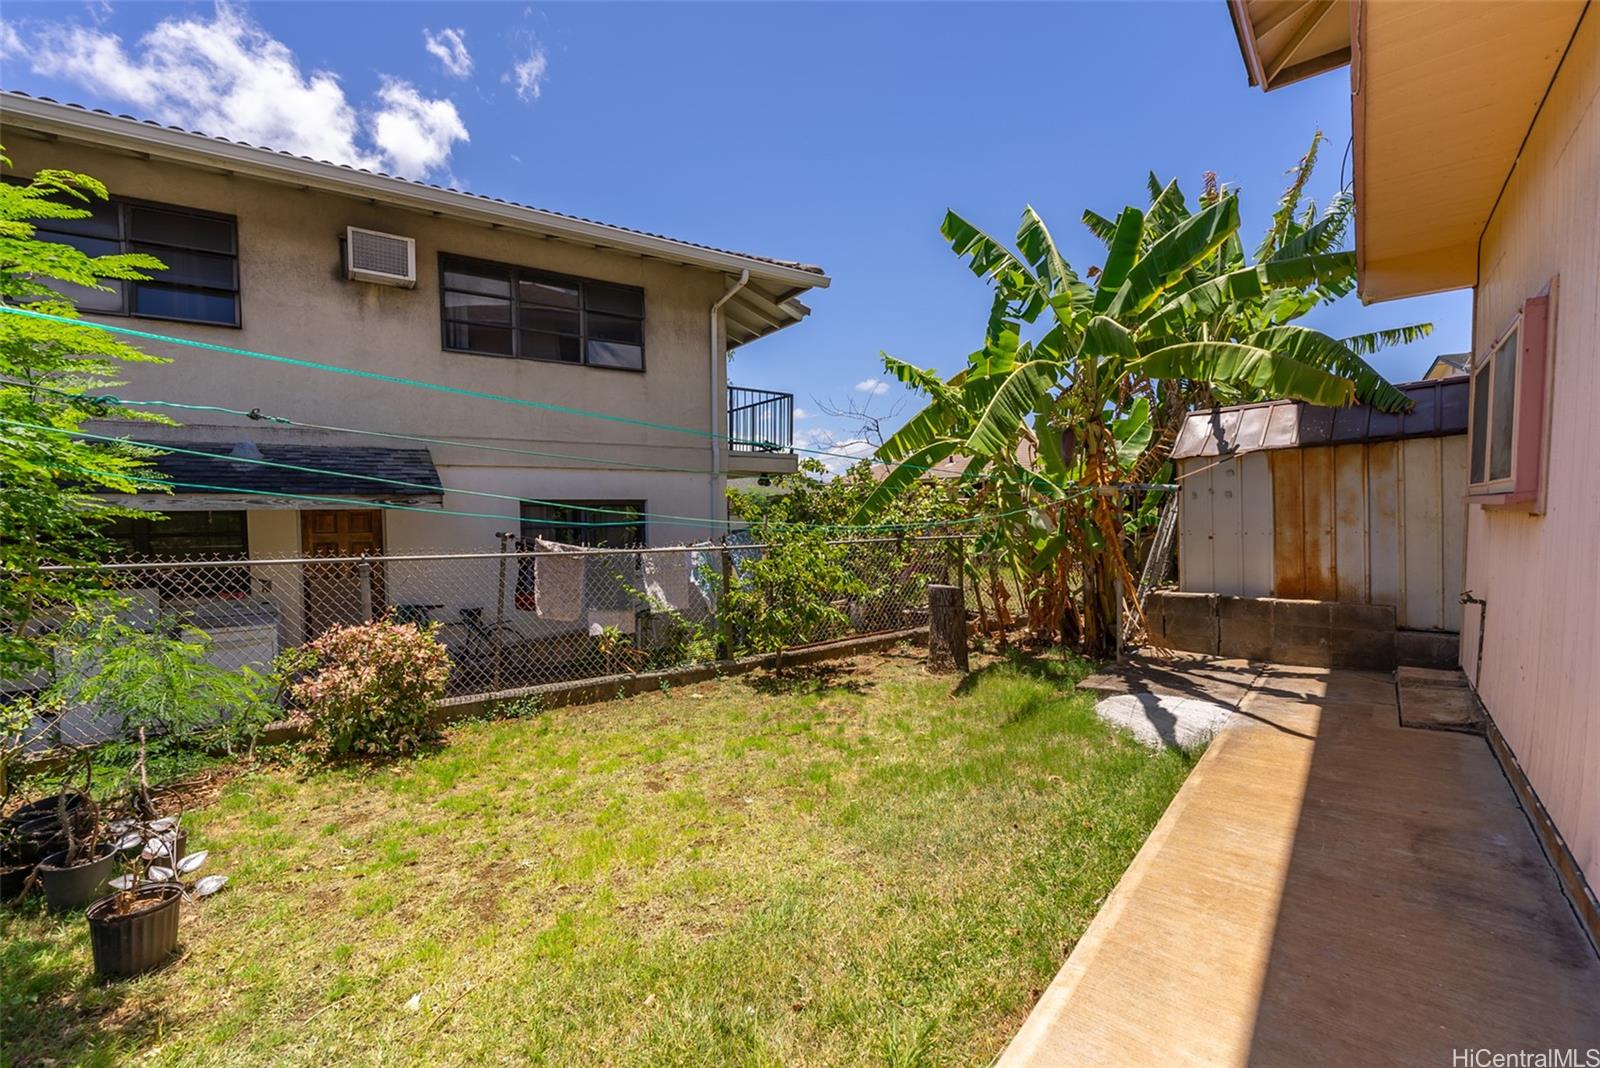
[760, 420]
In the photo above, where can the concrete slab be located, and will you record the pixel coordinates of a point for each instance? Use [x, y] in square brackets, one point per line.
[1437, 700]
[1204, 678]
[1326, 888]
[1160, 720]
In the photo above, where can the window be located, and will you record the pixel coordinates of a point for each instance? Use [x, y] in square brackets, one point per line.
[610, 579]
[201, 282]
[188, 536]
[1507, 413]
[621, 527]
[496, 310]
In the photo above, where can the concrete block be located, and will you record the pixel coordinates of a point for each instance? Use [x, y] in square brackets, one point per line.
[1192, 635]
[1301, 645]
[1247, 639]
[1371, 649]
[1245, 609]
[1360, 616]
[1185, 605]
[1427, 649]
[1286, 613]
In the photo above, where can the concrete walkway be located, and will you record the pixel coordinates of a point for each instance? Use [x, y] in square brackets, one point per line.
[1327, 888]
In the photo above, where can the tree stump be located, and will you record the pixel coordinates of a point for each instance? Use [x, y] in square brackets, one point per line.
[947, 629]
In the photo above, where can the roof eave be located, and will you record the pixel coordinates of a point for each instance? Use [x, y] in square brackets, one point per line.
[270, 165]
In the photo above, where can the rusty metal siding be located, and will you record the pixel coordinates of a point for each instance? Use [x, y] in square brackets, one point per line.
[1367, 523]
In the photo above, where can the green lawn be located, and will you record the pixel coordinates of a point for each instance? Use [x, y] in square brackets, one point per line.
[846, 866]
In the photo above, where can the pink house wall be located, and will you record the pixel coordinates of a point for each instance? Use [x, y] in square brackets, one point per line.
[1540, 673]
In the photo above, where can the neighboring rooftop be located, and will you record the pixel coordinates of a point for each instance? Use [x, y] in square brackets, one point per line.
[767, 304]
[237, 466]
[1440, 408]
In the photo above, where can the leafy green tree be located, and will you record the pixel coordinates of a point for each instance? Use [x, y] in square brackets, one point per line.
[811, 498]
[1082, 380]
[49, 375]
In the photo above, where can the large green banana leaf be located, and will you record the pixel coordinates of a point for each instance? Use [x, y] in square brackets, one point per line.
[920, 431]
[1133, 432]
[1367, 344]
[1208, 298]
[1010, 407]
[1251, 365]
[1173, 254]
[987, 257]
[914, 467]
[1120, 256]
[1313, 347]
[1100, 226]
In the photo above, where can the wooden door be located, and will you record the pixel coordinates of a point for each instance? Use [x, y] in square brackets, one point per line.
[334, 592]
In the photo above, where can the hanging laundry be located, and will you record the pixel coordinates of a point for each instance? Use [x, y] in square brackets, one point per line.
[624, 620]
[669, 580]
[558, 581]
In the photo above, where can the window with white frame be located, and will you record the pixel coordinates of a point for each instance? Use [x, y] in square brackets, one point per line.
[1508, 410]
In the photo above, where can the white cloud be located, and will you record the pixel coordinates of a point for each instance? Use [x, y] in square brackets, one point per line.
[875, 387]
[840, 454]
[528, 74]
[449, 47]
[228, 77]
[10, 43]
[412, 130]
[801, 413]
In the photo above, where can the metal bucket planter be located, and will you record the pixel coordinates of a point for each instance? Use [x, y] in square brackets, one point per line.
[137, 940]
[76, 886]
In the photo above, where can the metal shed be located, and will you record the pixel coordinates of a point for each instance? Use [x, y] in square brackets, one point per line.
[1291, 500]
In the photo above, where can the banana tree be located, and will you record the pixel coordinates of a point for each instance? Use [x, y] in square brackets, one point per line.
[1081, 380]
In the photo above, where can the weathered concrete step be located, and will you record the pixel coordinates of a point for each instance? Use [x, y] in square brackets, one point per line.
[1434, 699]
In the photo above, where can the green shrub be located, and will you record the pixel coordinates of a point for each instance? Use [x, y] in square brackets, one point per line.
[372, 687]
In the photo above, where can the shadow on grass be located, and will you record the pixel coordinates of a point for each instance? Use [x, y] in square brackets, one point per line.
[1055, 667]
[53, 1008]
[821, 679]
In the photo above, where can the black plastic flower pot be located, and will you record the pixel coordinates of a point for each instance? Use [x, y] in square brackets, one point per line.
[134, 932]
[13, 877]
[75, 886]
[44, 807]
[33, 841]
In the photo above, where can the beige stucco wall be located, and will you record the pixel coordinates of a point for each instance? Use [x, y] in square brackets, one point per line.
[296, 302]
[1540, 676]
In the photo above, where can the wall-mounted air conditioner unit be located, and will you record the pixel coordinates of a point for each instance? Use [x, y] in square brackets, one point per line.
[387, 259]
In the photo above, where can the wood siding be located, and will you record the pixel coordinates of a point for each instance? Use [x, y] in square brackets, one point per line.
[1541, 574]
[1365, 523]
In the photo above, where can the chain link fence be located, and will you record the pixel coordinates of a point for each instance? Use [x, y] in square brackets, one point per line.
[509, 620]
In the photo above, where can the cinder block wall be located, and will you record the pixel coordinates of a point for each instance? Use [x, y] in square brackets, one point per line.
[1314, 633]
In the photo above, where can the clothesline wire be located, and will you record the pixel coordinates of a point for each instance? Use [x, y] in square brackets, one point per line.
[460, 391]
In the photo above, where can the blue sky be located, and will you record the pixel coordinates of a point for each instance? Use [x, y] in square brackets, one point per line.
[837, 134]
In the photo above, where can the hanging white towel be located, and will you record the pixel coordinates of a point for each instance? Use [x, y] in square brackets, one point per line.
[669, 580]
[558, 581]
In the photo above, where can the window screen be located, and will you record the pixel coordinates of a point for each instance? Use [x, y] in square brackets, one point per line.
[1503, 411]
[200, 251]
[499, 310]
[188, 536]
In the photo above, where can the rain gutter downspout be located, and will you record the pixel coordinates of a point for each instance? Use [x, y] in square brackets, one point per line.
[719, 357]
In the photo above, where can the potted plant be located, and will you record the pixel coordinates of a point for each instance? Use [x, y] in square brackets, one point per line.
[135, 928]
[76, 874]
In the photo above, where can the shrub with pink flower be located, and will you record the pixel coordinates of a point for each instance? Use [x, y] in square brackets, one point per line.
[372, 686]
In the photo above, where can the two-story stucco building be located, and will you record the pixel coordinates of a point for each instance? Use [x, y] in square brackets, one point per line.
[619, 337]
